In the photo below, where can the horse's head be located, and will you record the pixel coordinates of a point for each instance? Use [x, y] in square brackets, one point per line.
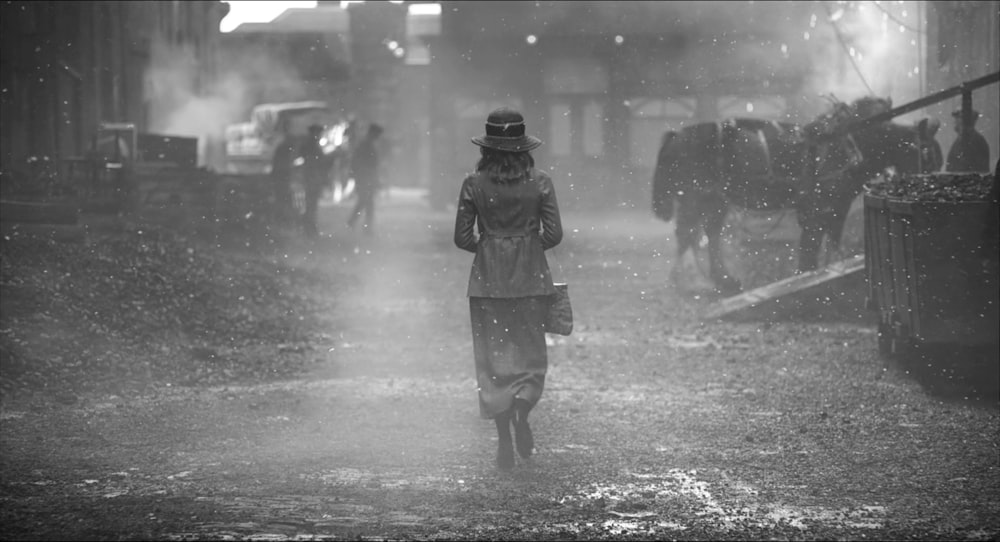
[868, 106]
[909, 149]
[904, 148]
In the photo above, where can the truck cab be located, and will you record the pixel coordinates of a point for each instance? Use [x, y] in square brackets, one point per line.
[250, 145]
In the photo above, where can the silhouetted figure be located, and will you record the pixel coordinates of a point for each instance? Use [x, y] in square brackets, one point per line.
[281, 178]
[316, 175]
[514, 207]
[364, 166]
[970, 151]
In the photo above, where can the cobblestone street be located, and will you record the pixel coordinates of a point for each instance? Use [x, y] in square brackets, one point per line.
[653, 424]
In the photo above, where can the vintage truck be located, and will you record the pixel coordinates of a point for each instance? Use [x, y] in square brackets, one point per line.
[250, 145]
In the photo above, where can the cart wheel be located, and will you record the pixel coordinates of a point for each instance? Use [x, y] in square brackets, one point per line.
[886, 340]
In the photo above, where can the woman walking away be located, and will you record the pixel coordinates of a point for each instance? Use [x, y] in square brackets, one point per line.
[513, 207]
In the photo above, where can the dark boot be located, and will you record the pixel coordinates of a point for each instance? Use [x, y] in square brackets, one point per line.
[505, 450]
[524, 439]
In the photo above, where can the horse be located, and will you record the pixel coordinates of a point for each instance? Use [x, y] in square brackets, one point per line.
[765, 165]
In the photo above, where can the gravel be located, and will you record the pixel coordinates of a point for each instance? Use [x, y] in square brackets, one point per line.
[935, 187]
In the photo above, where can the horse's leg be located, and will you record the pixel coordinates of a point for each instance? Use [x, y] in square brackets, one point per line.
[715, 218]
[836, 224]
[810, 240]
[686, 231]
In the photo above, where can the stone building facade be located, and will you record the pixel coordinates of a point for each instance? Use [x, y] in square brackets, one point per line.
[599, 82]
[66, 67]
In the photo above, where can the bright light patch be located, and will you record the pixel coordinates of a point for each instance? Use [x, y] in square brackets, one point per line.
[242, 11]
[424, 9]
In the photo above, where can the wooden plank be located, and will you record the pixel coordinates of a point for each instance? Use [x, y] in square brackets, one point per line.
[901, 302]
[39, 212]
[875, 262]
[786, 287]
[967, 86]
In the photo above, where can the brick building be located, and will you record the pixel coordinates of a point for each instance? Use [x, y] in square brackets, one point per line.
[66, 67]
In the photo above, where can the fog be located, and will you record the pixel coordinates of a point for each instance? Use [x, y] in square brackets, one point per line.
[870, 49]
[185, 103]
[334, 382]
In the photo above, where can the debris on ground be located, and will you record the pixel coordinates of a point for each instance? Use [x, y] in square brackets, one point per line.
[148, 306]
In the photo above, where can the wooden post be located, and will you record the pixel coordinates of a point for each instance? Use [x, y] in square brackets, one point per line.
[967, 119]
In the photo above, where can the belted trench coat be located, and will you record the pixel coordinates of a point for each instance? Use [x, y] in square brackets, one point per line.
[516, 224]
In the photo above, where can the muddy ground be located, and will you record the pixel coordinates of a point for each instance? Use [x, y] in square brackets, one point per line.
[324, 390]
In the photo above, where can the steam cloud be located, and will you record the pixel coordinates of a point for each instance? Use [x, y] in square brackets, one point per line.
[876, 52]
[187, 102]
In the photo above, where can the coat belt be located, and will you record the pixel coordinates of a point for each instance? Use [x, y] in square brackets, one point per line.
[506, 234]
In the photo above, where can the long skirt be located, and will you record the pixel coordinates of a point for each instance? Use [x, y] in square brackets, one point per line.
[508, 340]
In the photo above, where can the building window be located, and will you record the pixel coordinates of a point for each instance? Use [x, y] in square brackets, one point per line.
[760, 107]
[651, 118]
[575, 76]
[576, 127]
[593, 129]
[560, 129]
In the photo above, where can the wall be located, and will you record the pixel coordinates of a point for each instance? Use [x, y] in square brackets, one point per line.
[68, 66]
[602, 81]
[581, 72]
[963, 44]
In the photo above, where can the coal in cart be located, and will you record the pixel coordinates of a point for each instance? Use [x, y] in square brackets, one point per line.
[931, 261]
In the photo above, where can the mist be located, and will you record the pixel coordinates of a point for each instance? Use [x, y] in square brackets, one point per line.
[877, 52]
[182, 104]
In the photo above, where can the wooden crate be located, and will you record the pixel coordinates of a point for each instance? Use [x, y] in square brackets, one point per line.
[927, 275]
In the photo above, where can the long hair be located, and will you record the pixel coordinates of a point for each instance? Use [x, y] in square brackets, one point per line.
[505, 167]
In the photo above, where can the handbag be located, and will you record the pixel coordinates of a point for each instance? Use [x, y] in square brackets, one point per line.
[560, 317]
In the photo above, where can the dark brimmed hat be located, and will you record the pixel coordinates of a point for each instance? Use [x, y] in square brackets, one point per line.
[505, 132]
[958, 114]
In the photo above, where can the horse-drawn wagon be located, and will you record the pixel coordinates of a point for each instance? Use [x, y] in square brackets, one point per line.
[931, 265]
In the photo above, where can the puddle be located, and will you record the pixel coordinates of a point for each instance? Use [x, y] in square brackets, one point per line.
[654, 490]
[387, 479]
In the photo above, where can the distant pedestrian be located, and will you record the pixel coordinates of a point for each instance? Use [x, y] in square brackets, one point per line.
[281, 178]
[364, 167]
[970, 151]
[316, 176]
[513, 207]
